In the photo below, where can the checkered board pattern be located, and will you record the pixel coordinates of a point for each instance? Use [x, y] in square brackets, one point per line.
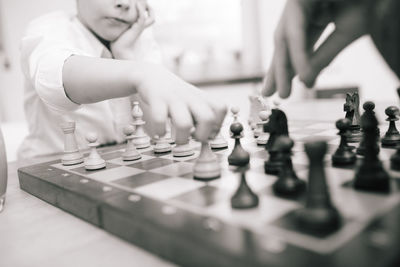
[154, 202]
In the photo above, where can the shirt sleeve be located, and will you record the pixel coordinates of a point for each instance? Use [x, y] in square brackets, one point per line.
[42, 61]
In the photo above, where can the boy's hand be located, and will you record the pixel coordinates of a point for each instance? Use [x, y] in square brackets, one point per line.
[300, 26]
[166, 95]
[122, 47]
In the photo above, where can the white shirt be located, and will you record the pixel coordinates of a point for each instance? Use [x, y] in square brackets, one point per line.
[48, 41]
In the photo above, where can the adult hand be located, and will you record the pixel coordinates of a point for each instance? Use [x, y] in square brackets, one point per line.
[299, 28]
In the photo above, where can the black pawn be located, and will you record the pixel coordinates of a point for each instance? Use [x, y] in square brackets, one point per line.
[392, 136]
[244, 197]
[371, 176]
[288, 184]
[239, 156]
[344, 155]
[318, 215]
[368, 107]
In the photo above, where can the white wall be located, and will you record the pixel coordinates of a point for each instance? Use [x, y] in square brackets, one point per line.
[15, 15]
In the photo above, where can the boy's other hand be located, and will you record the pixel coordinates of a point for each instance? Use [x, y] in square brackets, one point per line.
[122, 47]
[301, 24]
[167, 95]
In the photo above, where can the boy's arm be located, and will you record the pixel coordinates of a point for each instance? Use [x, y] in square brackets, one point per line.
[89, 80]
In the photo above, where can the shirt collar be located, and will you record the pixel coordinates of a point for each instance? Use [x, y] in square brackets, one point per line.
[95, 43]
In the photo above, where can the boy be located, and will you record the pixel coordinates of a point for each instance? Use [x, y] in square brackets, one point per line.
[85, 67]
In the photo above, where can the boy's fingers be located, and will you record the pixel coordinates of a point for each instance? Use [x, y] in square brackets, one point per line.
[204, 118]
[159, 115]
[182, 120]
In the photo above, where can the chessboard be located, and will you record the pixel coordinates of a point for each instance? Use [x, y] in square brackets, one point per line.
[155, 203]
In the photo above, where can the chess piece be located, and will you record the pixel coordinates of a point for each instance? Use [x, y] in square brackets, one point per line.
[244, 197]
[344, 154]
[71, 155]
[235, 113]
[218, 142]
[183, 150]
[392, 136]
[368, 107]
[170, 133]
[319, 214]
[262, 137]
[288, 184]
[351, 107]
[93, 161]
[371, 176]
[141, 139]
[239, 156]
[130, 152]
[257, 104]
[276, 126]
[395, 160]
[162, 145]
[206, 166]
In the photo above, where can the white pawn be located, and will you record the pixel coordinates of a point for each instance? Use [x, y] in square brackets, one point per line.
[141, 139]
[218, 142]
[206, 166]
[170, 133]
[262, 138]
[235, 113]
[130, 152]
[93, 161]
[162, 145]
[71, 155]
[183, 149]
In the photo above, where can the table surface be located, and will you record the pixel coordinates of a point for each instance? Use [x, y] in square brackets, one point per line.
[34, 233]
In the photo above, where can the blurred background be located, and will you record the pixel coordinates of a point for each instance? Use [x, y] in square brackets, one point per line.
[211, 43]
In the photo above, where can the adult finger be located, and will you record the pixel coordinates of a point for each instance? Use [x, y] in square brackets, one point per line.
[283, 71]
[269, 86]
[159, 115]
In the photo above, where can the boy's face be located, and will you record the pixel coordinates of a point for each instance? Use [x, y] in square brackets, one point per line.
[107, 18]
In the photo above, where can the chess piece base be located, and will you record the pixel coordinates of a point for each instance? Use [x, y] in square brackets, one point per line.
[319, 219]
[94, 164]
[289, 186]
[72, 158]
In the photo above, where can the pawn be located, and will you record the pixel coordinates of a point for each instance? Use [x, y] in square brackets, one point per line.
[244, 197]
[344, 155]
[288, 184]
[206, 166]
[130, 152]
[262, 137]
[235, 113]
[239, 156]
[218, 142]
[182, 150]
[318, 215]
[162, 145]
[93, 161]
[368, 107]
[392, 136]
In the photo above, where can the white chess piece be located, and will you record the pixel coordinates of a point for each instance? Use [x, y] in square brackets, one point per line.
[162, 145]
[206, 166]
[130, 152]
[93, 161]
[71, 155]
[262, 138]
[218, 142]
[235, 113]
[141, 139]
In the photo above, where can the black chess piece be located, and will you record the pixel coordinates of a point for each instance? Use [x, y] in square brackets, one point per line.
[288, 184]
[344, 154]
[277, 126]
[319, 214]
[392, 136]
[244, 197]
[238, 156]
[368, 107]
[371, 176]
[395, 160]
[352, 107]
